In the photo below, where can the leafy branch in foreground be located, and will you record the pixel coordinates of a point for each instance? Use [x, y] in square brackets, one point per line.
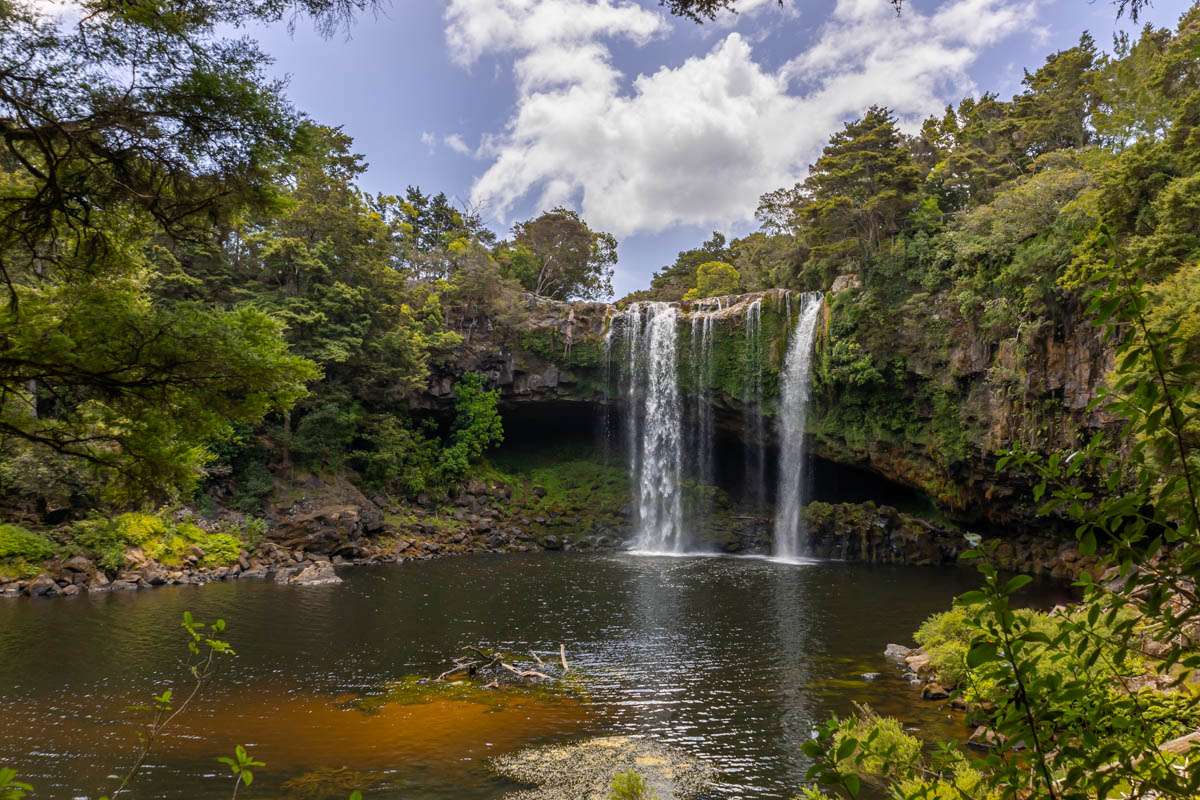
[240, 765]
[203, 651]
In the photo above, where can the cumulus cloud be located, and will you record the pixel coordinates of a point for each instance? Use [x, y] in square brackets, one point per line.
[699, 142]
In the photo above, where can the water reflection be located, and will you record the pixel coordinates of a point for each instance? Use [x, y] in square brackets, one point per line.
[733, 660]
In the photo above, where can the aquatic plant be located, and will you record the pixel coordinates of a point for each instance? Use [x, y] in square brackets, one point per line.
[630, 786]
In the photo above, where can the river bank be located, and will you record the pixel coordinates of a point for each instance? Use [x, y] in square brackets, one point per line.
[331, 525]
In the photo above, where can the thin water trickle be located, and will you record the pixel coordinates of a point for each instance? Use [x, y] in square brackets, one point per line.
[793, 414]
[754, 425]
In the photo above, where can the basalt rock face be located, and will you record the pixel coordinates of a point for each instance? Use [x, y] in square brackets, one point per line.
[952, 396]
[554, 352]
[935, 396]
[883, 535]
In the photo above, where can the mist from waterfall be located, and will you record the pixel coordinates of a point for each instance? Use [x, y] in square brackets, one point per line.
[795, 382]
[654, 422]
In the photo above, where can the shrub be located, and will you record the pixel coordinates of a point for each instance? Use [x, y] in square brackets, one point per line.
[138, 529]
[630, 786]
[220, 549]
[946, 636]
[17, 542]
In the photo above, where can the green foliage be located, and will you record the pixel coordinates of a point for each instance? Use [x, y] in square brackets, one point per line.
[630, 786]
[324, 435]
[10, 787]
[240, 765]
[105, 540]
[1071, 687]
[945, 636]
[714, 278]
[414, 459]
[557, 255]
[18, 543]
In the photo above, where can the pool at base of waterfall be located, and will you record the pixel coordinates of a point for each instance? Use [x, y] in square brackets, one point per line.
[731, 661]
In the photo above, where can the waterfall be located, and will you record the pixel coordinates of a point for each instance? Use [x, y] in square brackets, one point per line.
[793, 410]
[755, 454]
[654, 424]
[702, 377]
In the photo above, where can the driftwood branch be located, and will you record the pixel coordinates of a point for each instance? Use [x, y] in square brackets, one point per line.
[476, 661]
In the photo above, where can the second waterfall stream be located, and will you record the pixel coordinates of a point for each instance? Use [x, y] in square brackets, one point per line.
[788, 538]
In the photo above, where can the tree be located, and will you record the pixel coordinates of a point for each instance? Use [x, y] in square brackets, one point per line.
[701, 10]
[1055, 111]
[129, 130]
[569, 259]
[714, 278]
[856, 195]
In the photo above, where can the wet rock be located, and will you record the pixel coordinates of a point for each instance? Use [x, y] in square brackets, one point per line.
[919, 663]
[99, 583]
[42, 586]
[123, 586]
[283, 574]
[317, 574]
[550, 543]
[985, 738]
[934, 691]
[155, 574]
[897, 652]
[79, 564]
[71, 590]
[255, 572]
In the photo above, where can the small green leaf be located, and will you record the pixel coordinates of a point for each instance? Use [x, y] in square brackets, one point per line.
[981, 653]
[1016, 583]
[846, 748]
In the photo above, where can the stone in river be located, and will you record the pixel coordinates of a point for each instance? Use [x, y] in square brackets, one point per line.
[321, 572]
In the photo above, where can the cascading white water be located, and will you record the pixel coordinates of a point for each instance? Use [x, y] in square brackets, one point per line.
[654, 424]
[702, 377]
[793, 411]
[754, 431]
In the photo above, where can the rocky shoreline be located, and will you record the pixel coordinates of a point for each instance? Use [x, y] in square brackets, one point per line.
[332, 525]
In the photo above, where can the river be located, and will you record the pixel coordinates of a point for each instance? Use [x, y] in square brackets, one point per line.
[731, 659]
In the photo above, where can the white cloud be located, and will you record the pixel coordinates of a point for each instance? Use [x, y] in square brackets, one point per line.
[699, 142]
[456, 143]
[429, 140]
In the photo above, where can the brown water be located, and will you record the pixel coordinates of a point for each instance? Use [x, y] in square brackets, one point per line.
[734, 660]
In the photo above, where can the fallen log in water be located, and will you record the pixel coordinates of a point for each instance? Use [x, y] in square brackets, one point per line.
[479, 662]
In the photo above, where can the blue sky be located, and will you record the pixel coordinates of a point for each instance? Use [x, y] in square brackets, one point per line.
[655, 128]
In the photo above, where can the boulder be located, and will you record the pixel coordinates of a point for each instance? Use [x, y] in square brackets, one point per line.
[919, 663]
[934, 691]
[897, 652]
[42, 586]
[985, 738]
[79, 564]
[317, 574]
[155, 574]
